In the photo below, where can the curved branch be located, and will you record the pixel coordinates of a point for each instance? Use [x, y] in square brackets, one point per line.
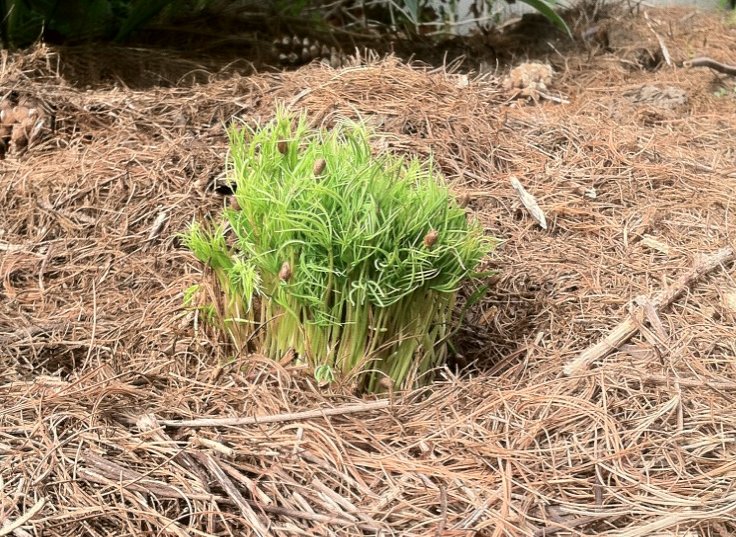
[710, 62]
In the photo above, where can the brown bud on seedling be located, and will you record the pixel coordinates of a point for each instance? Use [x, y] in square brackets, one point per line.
[386, 383]
[464, 200]
[282, 147]
[234, 205]
[319, 166]
[285, 272]
[430, 238]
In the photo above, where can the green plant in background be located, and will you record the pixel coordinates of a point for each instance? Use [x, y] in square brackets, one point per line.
[412, 15]
[73, 21]
[24, 21]
[351, 260]
[724, 91]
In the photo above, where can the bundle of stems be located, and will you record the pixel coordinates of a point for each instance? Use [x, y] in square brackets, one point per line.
[351, 260]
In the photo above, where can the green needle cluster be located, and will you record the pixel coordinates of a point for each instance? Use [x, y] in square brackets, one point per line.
[352, 261]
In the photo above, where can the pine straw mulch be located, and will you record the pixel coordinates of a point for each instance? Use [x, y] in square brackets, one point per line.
[101, 366]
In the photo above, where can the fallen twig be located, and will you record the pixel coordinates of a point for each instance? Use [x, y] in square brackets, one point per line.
[686, 382]
[8, 247]
[316, 517]
[553, 98]
[158, 225]
[629, 326]
[662, 45]
[529, 202]
[258, 525]
[564, 525]
[711, 63]
[663, 48]
[106, 472]
[276, 418]
[10, 527]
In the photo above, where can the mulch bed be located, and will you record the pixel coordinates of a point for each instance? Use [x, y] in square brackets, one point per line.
[112, 398]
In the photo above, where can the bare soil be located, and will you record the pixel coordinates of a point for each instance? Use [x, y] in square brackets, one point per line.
[111, 394]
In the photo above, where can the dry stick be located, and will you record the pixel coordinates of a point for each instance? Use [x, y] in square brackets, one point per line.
[662, 45]
[316, 517]
[106, 472]
[663, 48]
[710, 62]
[8, 528]
[256, 524]
[627, 328]
[277, 418]
[688, 382]
[344, 503]
[564, 524]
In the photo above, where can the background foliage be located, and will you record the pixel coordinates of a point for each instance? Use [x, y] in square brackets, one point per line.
[74, 21]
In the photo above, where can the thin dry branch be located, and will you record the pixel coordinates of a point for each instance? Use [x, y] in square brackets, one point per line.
[316, 517]
[662, 45]
[565, 524]
[13, 526]
[712, 64]
[276, 418]
[258, 525]
[629, 326]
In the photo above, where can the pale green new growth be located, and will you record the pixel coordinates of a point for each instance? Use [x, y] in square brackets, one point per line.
[354, 267]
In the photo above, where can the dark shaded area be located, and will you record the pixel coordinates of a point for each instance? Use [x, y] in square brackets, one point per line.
[122, 46]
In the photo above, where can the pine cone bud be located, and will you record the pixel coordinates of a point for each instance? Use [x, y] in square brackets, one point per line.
[285, 272]
[319, 166]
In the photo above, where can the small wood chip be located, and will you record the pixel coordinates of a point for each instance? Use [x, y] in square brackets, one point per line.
[729, 301]
[654, 244]
[158, 225]
[530, 203]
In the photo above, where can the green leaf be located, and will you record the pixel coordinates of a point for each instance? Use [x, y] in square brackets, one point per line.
[546, 9]
[141, 12]
[189, 294]
[324, 374]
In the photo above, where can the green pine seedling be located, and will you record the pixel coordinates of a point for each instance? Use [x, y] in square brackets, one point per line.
[351, 260]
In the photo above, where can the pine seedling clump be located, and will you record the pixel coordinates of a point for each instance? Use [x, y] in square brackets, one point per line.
[351, 261]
